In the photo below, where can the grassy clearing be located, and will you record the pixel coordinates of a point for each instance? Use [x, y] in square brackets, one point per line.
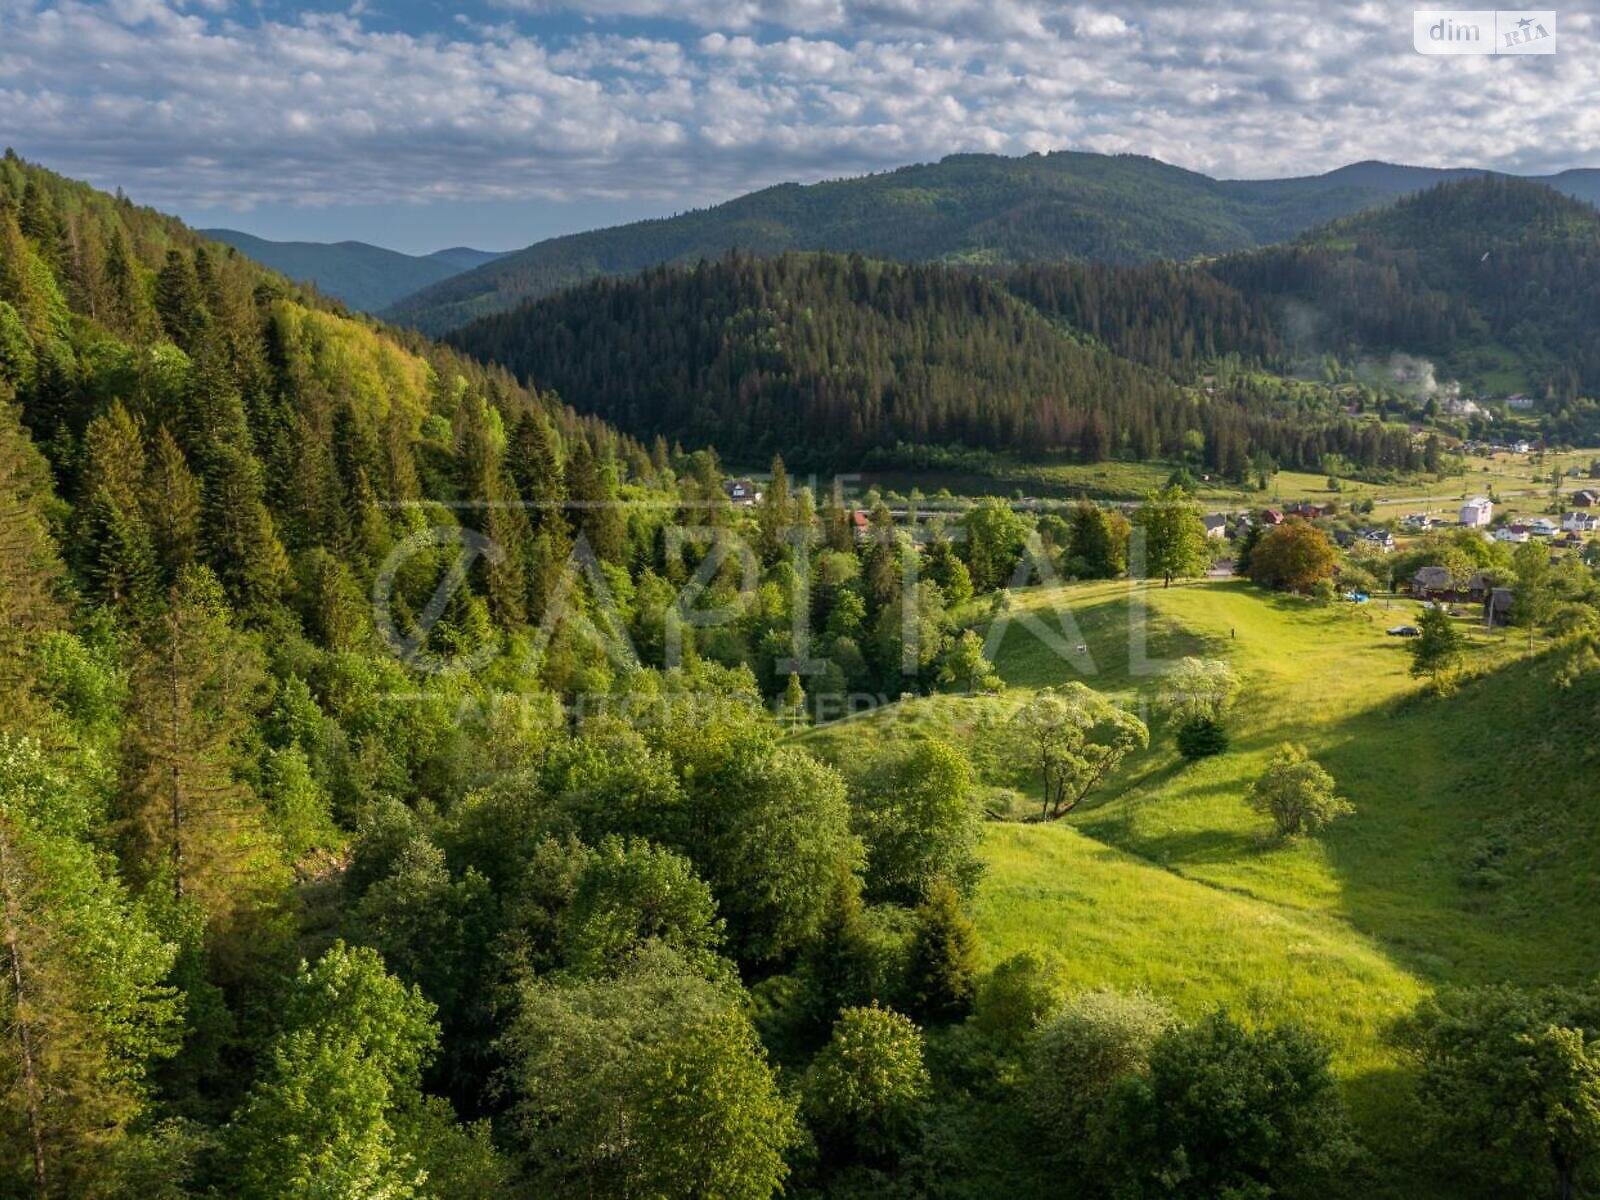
[1474, 854]
[1510, 475]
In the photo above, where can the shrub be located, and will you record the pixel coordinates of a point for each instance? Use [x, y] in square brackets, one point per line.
[1297, 793]
[1079, 1055]
[864, 1092]
[1202, 738]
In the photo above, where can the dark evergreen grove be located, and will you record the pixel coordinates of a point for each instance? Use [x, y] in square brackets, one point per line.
[824, 357]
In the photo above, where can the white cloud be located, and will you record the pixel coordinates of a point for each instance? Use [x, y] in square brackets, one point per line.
[202, 104]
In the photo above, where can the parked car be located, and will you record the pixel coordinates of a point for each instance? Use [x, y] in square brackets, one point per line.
[1405, 631]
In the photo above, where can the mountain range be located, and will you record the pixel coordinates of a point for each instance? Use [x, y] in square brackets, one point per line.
[968, 208]
[366, 277]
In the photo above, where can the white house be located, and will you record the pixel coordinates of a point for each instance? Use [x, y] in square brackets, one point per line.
[1477, 512]
[1543, 527]
[1580, 522]
[1515, 534]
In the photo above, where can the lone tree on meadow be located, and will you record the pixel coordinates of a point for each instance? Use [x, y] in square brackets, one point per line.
[1174, 537]
[1196, 697]
[1294, 556]
[1438, 652]
[966, 669]
[1075, 737]
[1297, 793]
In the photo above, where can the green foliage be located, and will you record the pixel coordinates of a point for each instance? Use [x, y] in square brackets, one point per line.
[1074, 738]
[1016, 997]
[1077, 1060]
[1440, 649]
[1228, 1111]
[920, 820]
[1509, 1089]
[864, 1092]
[1297, 793]
[1174, 540]
[942, 960]
[1202, 737]
[84, 998]
[1196, 696]
[965, 667]
[631, 895]
[663, 1059]
[1293, 556]
[321, 1118]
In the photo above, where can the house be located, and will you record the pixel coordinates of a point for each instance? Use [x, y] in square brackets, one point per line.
[1477, 512]
[1587, 498]
[1311, 512]
[742, 491]
[1543, 527]
[1418, 522]
[1522, 447]
[1271, 516]
[861, 523]
[1380, 539]
[1216, 525]
[1520, 401]
[1580, 522]
[1514, 534]
[1433, 583]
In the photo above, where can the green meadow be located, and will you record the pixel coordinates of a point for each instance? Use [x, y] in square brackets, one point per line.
[1524, 477]
[1473, 856]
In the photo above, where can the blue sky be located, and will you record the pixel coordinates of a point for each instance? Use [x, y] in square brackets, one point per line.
[418, 126]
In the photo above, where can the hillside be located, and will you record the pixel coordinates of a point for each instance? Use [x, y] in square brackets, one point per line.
[826, 358]
[1486, 276]
[964, 208]
[367, 278]
[1470, 858]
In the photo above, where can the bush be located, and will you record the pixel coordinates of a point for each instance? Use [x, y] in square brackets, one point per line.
[1229, 1111]
[1082, 1053]
[1202, 738]
[1014, 998]
[864, 1092]
[1297, 793]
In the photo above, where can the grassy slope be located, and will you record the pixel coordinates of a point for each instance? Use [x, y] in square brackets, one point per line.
[1510, 475]
[1472, 856]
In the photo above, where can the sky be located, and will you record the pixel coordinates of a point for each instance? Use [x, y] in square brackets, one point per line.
[416, 126]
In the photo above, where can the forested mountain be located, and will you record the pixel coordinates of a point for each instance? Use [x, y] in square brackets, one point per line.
[1480, 275]
[367, 278]
[827, 356]
[972, 208]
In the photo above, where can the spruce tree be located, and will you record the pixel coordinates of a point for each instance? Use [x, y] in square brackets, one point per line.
[193, 823]
[171, 504]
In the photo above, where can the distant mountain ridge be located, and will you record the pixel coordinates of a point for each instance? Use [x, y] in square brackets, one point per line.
[966, 208]
[366, 277]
